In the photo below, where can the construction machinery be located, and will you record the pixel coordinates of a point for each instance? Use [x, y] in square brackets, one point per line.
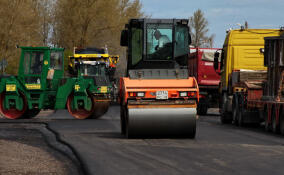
[241, 60]
[200, 65]
[99, 67]
[157, 96]
[40, 85]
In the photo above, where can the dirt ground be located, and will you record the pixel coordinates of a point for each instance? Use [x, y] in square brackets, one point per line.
[24, 151]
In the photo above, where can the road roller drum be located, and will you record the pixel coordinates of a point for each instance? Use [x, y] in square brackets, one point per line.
[178, 122]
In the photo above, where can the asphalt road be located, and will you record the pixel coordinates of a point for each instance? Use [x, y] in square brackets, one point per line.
[217, 148]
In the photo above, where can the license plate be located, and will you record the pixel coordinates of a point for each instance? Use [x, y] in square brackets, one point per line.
[162, 95]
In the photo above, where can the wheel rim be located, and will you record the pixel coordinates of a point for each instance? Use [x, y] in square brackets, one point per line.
[12, 113]
[80, 113]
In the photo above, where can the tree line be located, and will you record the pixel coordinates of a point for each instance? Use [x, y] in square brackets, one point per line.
[62, 23]
[70, 23]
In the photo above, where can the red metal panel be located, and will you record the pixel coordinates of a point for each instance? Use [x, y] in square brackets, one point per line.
[203, 70]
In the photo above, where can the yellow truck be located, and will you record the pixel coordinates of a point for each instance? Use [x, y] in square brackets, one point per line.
[242, 59]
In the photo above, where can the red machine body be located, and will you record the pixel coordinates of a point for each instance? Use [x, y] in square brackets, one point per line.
[200, 65]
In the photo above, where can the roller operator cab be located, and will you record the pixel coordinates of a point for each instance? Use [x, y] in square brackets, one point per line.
[157, 96]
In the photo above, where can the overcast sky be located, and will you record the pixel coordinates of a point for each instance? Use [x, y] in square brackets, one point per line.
[221, 14]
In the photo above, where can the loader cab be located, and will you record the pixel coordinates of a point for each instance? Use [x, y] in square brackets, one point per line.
[40, 67]
[156, 44]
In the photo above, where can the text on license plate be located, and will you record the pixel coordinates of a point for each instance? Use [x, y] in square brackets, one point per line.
[162, 95]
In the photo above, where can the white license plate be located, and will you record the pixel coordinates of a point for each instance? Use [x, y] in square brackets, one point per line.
[162, 95]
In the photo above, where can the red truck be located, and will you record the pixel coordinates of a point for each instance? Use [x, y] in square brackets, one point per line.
[200, 65]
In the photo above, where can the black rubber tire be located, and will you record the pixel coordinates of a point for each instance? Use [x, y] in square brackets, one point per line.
[31, 113]
[267, 126]
[122, 120]
[224, 115]
[241, 111]
[235, 109]
[274, 125]
[202, 107]
[281, 122]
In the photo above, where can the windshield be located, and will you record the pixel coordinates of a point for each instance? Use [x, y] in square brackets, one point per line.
[159, 41]
[181, 40]
[56, 58]
[92, 70]
[33, 62]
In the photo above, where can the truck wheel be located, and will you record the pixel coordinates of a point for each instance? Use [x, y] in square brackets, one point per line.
[241, 111]
[275, 126]
[266, 122]
[224, 116]
[235, 109]
[202, 107]
[281, 123]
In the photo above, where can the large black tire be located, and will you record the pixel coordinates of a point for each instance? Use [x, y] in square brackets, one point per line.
[202, 107]
[224, 118]
[281, 122]
[274, 124]
[235, 109]
[267, 125]
[31, 113]
[241, 110]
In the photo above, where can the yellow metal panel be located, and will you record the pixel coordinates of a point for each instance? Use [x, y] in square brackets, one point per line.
[242, 50]
[33, 86]
[91, 55]
[10, 87]
[103, 89]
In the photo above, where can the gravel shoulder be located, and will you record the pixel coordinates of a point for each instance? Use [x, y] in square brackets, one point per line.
[25, 151]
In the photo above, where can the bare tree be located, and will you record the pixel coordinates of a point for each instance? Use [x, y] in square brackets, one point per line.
[199, 29]
[19, 25]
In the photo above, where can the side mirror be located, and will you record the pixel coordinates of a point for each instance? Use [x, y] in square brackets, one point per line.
[124, 38]
[216, 60]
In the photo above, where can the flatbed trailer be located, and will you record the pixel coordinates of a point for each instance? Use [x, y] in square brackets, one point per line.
[256, 101]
